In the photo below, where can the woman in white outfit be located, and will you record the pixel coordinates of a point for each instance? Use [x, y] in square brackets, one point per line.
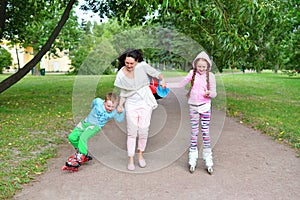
[133, 81]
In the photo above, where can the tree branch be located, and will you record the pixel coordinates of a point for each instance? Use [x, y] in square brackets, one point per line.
[2, 16]
[8, 82]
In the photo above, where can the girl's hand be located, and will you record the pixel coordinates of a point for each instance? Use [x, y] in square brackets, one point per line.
[207, 93]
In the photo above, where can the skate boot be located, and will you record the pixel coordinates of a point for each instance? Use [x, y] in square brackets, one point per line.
[72, 164]
[87, 158]
[208, 158]
[75, 161]
[81, 158]
[193, 156]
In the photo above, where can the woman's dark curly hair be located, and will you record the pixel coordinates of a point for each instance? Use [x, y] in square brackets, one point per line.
[137, 54]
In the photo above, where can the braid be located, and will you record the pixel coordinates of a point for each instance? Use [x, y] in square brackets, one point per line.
[192, 81]
[207, 79]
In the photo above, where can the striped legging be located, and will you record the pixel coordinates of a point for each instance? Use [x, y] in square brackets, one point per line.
[195, 117]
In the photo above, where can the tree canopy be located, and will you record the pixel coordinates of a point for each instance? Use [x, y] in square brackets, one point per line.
[5, 59]
[5, 84]
[258, 34]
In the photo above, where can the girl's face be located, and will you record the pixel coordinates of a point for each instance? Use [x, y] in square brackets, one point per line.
[130, 63]
[109, 106]
[201, 66]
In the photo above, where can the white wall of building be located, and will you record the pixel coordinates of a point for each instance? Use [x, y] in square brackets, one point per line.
[62, 63]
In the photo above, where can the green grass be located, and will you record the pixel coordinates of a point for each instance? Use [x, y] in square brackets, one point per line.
[267, 102]
[36, 116]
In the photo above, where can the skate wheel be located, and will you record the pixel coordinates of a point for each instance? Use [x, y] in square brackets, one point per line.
[210, 170]
[72, 169]
[192, 168]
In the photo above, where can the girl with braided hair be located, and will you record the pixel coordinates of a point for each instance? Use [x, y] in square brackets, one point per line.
[203, 88]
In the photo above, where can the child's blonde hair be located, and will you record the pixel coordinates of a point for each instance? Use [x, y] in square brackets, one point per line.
[111, 97]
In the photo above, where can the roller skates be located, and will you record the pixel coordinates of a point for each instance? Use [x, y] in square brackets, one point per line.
[75, 161]
[71, 165]
[207, 157]
[193, 157]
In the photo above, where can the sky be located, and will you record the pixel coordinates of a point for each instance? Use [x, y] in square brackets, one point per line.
[87, 16]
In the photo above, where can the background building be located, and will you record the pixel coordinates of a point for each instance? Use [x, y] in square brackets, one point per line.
[21, 56]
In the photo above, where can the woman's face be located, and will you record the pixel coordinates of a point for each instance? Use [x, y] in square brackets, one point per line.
[130, 63]
[201, 66]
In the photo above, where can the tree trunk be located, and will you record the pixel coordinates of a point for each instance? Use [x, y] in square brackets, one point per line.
[276, 69]
[10, 81]
[36, 71]
[3, 4]
[17, 53]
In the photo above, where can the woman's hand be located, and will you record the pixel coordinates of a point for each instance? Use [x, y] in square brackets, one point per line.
[120, 109]
[162, 83]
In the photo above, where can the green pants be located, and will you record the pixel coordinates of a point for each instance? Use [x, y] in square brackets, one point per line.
[81, 134]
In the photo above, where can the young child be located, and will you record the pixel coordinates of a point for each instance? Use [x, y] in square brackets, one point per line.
[102, 111]
[203, 88]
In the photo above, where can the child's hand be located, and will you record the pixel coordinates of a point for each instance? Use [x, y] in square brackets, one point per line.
[207, 93]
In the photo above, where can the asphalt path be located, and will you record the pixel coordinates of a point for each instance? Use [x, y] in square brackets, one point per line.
[247, 163]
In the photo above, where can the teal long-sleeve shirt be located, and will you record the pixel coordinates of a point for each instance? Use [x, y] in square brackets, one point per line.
[99, 116]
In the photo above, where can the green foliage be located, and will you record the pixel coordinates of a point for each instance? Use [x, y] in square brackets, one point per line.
[81, 50]
[126, 11]
[20, 15]
[162, 48]
[40, 29]
[94, 53]
[5, 59]
[258, 34]
[5, 84]
[32, 23]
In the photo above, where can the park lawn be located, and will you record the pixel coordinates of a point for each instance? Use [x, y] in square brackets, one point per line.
[36, 116]
[267, 102]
